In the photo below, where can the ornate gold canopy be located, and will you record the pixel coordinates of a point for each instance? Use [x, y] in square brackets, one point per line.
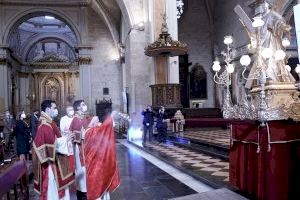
[165, 45]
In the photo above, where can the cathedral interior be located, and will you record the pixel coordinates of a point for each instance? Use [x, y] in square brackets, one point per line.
[207, 92]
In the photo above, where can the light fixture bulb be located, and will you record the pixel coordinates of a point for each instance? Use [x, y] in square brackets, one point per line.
[228, 40]
[279, 55]
[245, 60]
[258, 22]
[286, 42]
[288, 68]
[297, 69]
[49, 17]
[216, 66]
[267, 53]
[230, 68]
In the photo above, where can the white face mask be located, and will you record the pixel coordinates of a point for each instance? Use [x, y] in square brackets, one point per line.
[84, 108]
[70, 113]
[23, 116]
[54, 113]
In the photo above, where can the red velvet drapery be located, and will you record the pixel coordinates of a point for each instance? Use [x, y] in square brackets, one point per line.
[267, 175]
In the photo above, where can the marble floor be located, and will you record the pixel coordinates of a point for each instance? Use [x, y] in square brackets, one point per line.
[214, 136]
[207, 168]
[144, 177]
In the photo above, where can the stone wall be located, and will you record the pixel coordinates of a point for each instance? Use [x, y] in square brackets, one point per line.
[226, 22]
[105, 68]
[194, 29]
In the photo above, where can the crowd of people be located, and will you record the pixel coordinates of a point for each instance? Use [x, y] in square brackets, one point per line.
[65, 154]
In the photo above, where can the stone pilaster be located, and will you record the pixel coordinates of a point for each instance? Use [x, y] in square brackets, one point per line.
[173, 62]
[4, 98]
[84, 61]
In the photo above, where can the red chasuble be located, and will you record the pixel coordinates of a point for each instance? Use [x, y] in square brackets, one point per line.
[100, 160]
[44, 155]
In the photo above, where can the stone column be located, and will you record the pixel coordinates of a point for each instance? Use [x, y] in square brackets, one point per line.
[35, 91]
[167, 69]
[4, 100]
[66, 92]
[85, 84]
[160, 63]
[138, 67]
[173, 64]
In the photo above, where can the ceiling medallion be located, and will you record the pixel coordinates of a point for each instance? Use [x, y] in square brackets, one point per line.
[180, 7]
[165, 45]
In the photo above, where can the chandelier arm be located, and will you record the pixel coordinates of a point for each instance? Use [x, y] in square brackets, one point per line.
[243, 73]
[217, 77]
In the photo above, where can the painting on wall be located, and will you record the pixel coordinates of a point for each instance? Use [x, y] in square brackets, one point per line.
[198, 82]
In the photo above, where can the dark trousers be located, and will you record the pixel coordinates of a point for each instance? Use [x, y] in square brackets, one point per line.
[162, 134]
[148, 129]
[81, 195]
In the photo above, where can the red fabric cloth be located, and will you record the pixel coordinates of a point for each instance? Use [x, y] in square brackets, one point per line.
[101, 163]
[267, 175]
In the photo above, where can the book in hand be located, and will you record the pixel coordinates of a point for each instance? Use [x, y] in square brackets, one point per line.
[77, 138]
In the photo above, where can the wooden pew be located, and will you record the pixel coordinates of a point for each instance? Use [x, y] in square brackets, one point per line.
[13, 176]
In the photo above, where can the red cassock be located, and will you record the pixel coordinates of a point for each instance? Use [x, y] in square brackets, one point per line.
[100, 160]
[76, 125]
[44, 155]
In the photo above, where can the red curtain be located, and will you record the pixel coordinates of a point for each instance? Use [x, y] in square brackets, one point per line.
[273, 174]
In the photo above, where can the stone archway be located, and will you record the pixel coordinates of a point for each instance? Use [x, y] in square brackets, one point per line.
[24, 15]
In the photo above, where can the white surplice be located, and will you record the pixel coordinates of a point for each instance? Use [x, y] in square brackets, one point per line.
[52, 193]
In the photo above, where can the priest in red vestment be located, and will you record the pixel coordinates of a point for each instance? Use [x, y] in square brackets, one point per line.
[94, 150]
[51, 162]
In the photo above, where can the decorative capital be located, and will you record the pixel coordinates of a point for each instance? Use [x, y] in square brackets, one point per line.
[3, 55]
[84, 60]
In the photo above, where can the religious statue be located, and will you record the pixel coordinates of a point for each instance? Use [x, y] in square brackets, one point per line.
[61, 55]
[179, 124]
[52, 88]
[270, 36]
[39, 53]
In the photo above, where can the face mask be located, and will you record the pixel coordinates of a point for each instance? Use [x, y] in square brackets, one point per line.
[23, 116]
[54, 113]
[84, 108]
[70, 113]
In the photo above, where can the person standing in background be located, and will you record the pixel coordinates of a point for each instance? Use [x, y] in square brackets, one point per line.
[64, 125]
[22, 137]
[8, 130]
[148, 123]
[161, 125]
[66, 120]
[34, 122]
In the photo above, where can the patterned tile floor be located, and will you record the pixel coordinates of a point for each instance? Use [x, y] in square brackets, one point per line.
[213, 170]
[216, 136]
[140, 180]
